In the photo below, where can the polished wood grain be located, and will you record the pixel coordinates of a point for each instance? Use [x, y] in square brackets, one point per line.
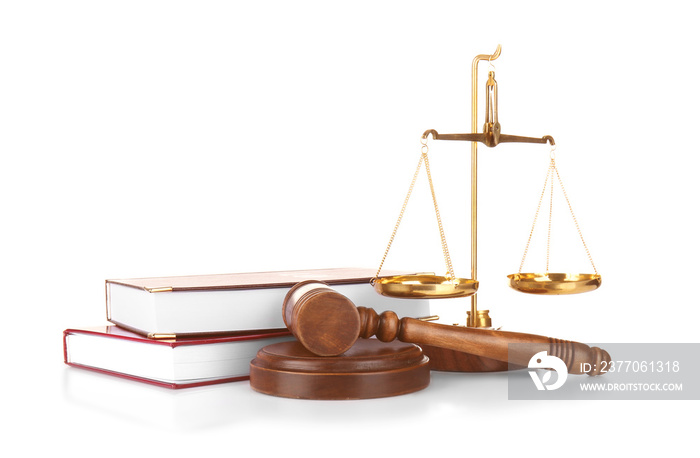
[325, 322]
[481, 342]
[442, 359]
[369, 369]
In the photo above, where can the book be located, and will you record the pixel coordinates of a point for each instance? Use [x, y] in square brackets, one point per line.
[170, 363]
[225, 304]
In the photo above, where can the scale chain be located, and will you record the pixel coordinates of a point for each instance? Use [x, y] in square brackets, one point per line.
[551, 171]
[445, 251]
[539, 204]
[403, 209]
[580, 234]
[551, 202]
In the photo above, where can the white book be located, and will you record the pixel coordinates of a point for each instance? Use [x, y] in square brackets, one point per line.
[165, 307]
[170, 363]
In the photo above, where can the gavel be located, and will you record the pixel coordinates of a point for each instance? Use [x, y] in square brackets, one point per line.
[328, 324]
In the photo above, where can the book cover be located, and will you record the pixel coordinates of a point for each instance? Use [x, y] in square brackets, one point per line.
[248, 280]
[170, 363]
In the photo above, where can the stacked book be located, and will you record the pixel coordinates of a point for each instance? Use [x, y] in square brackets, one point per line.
[188, 331]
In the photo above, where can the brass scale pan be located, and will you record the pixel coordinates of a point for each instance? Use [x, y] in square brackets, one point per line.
[435, 286]
[424, 286]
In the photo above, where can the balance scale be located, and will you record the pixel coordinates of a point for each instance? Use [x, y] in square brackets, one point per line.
[449, 285]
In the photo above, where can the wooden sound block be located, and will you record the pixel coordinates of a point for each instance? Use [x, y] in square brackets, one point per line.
[369, 369]
[442, 359]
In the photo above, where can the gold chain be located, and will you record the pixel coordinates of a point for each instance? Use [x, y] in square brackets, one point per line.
[551, 201]
[539, 204]
[445, 251]
[403, 209]
[551, 171]
[590, 258]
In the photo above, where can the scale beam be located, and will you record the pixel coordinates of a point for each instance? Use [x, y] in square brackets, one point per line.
[488, 139]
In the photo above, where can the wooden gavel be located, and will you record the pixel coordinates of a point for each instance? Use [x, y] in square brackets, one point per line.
[328, 324]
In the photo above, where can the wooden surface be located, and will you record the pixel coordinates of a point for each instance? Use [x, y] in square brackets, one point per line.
[443, 359]
[327, 323]
[481, 342]
[323, 320]
[369, 369]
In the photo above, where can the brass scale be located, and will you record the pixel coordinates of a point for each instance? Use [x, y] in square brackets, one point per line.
[449, 286]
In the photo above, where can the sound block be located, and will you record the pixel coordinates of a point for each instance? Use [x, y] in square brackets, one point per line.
[442, 359]
[369, 369]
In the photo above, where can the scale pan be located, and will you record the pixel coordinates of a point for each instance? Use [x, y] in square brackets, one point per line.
[424, 286]
[554, 283]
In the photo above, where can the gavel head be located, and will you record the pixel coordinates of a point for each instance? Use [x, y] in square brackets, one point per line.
[323, 320]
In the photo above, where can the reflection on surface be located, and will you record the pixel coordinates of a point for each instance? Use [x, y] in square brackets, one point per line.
[234, 403]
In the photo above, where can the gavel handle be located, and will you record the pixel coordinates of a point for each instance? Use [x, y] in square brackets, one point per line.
[577, 356]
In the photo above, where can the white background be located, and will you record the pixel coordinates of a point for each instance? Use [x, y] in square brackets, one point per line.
[152, 138]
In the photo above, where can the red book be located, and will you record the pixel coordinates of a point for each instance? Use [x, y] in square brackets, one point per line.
[169, 363]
